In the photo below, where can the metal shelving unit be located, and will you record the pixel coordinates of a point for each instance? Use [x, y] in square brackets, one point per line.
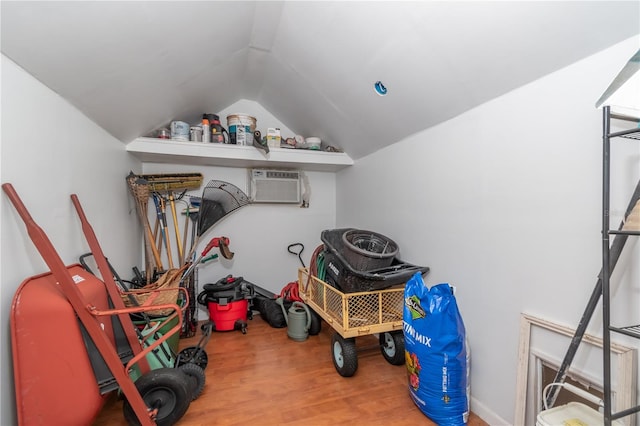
[610, 254]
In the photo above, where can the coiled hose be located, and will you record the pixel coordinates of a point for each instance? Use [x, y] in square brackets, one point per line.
[316, 266]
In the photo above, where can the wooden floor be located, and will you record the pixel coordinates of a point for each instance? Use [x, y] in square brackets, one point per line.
[265, 378]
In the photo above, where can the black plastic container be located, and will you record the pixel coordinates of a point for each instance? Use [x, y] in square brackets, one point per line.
[367, 250]
[342, 275]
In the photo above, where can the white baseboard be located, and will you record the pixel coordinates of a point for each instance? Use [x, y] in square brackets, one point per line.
[486, 414]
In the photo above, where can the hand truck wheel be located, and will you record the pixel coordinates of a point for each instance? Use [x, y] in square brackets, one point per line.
[165, 390]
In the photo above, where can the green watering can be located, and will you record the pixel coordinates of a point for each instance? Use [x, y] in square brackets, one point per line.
[298, 320]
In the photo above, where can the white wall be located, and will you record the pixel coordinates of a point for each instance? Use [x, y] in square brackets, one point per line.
[50, 150]
[259, 233]
[504, 203]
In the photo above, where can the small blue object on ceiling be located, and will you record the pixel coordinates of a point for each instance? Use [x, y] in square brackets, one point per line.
[380, 88]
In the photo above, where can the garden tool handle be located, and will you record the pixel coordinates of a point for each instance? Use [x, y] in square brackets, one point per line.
[174, 214]
[215, 242]
[158, 201]
[224, 248]
[298, 253]
[167, 238]
[206, 259]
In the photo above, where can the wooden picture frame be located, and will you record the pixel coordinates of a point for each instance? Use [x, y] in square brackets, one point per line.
[623, 358]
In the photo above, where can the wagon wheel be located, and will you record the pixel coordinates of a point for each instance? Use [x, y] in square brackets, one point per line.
[392, 347]
[316, 323]
[345, 357]
[164, 389]
[193, 354]
[195, 377]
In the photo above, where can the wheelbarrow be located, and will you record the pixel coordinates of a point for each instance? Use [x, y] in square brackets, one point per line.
[73, 343]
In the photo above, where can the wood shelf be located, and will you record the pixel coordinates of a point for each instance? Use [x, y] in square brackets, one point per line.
[226, 155]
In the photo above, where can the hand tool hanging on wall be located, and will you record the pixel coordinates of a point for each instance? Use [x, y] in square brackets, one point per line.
[139, 189]
[170, 184]
[191, 216]
[185, 232]
[297, 249]
[221, 242]
[157, 237]
[194, 217]
[162, 218]
[173, 181]
[176, 227]
[163, 210]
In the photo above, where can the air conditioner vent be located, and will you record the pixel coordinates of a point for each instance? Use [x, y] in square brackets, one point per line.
[274, 186]
[282, 174]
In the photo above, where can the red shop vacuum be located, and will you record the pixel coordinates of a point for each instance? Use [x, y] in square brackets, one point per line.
[228, 303]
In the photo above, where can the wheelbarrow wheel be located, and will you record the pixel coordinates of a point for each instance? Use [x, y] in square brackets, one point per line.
[193, 354]
[195, 377]
[316, 323]
[392, 347]
[164, 389]
[344, 354]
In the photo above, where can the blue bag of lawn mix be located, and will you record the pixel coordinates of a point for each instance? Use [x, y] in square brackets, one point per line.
[436, 352]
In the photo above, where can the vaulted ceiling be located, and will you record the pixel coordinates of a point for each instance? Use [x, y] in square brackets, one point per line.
[134, 66]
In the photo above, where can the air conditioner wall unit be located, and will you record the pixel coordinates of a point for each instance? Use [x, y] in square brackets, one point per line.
[274, 186]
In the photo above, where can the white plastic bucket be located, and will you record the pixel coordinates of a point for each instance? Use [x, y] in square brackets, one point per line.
[313, 143]
[573, 413]
[241, 128]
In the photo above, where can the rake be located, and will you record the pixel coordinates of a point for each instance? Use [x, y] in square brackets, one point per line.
[219, 199]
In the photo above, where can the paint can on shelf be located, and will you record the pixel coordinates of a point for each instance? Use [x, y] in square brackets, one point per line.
[180, 130]
[241, 128]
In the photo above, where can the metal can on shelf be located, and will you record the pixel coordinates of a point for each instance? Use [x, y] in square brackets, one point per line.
[195, 134]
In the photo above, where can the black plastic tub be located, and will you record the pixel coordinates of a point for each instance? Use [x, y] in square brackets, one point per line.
[340, 274]
[366, 250]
